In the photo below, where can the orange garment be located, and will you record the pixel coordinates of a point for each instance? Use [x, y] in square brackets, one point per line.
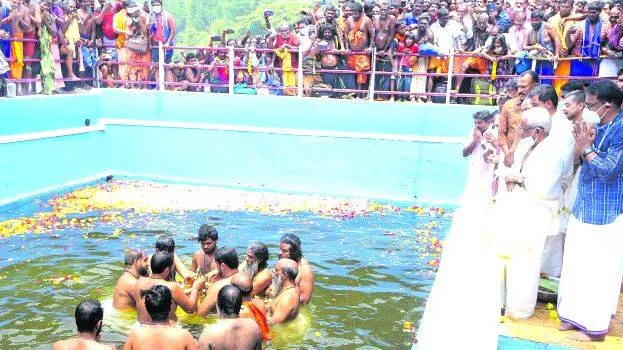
[510, 117]
[355, 35]
[17, 54]
[439, 64]
[260, 319]
[564, 70]
[477, 63]
[360, 63]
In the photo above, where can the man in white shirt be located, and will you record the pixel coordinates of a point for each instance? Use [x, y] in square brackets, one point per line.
[529, 213]
[478, 187]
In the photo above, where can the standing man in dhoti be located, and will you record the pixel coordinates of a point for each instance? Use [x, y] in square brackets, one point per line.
[535, 185]
[591, 272]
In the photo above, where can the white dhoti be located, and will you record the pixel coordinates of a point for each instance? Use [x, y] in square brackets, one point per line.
[524, 223]
[591, 275]
[463, 308]
[551, 262]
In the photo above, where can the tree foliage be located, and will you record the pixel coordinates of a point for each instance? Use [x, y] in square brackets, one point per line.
[197, 20]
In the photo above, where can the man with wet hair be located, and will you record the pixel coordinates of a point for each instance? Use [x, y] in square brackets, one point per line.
[161, 269]
[227, 263]
[165, 243]
[203, 259]
[256, 267]
[89, 315]
[290, 247]
[286, 297]
[251, 307]
[158, 333]
[135, 267]
[230, 331]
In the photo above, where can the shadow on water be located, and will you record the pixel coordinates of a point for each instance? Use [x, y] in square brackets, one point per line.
[368, 282]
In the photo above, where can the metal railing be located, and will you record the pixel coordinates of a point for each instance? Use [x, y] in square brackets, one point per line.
[372, 75]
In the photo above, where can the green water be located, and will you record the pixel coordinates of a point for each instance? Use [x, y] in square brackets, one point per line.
[372, 274]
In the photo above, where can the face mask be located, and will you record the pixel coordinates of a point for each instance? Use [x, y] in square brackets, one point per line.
[597, 112]
[157, 9]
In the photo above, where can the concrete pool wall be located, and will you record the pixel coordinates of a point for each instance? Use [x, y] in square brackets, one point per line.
[388, 151]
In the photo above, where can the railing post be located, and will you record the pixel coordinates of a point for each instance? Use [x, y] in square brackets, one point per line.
[533, 64]
[372, 79]
[449, 82]
[161, 75]
[299, 74]
[230, 81]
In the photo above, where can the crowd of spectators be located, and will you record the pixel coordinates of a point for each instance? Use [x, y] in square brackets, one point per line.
[84, 43]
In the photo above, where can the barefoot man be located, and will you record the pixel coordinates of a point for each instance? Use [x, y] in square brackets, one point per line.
[161, 270]
[385, 28]
[135, 267]
[203, 259]
[227, 262]
[357, 31]
[290, 248]
[159, 333]
[89, 315]
[251, 307]
[285, 304]
[230, 331]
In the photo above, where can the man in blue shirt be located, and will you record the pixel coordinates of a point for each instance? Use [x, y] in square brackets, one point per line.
[411, 17]
[593, 255]
[500, 17]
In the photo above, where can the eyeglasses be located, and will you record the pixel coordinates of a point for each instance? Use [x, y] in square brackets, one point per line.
[590, 106]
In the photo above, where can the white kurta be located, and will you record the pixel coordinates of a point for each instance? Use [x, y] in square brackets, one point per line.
[478, 186]
[526, 218]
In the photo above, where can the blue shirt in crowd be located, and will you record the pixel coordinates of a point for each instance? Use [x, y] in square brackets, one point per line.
[600, 186]
[503, 20]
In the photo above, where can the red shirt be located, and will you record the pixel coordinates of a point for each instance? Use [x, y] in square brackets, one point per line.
[293, 40]
[107, 27]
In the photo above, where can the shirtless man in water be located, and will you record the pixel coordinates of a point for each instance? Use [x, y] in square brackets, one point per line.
[256, 267]
[135, 267]
[89, 315]
[357, 30]
[385, 29]
[203, 259]
[161, 269]
[290, 248]
[253, 308]
[230, 331]
[285, 304]
[167, 244]
[159, 333]
[227, 262]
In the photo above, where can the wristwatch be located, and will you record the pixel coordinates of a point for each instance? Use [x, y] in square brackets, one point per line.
[588, 151]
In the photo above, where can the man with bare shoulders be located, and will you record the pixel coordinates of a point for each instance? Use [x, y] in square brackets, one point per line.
[285, 304]
[253, 308]
[158, 333]
[256, 267]
[33, 21]
[89, 315]
[357, 31]
[203, 259]
[290, 248]
[20, 20]
[227, 262]
[86, 26]
[161, 267]
[135, 267]
[230, 331]
[165, 243]
[384, 26]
